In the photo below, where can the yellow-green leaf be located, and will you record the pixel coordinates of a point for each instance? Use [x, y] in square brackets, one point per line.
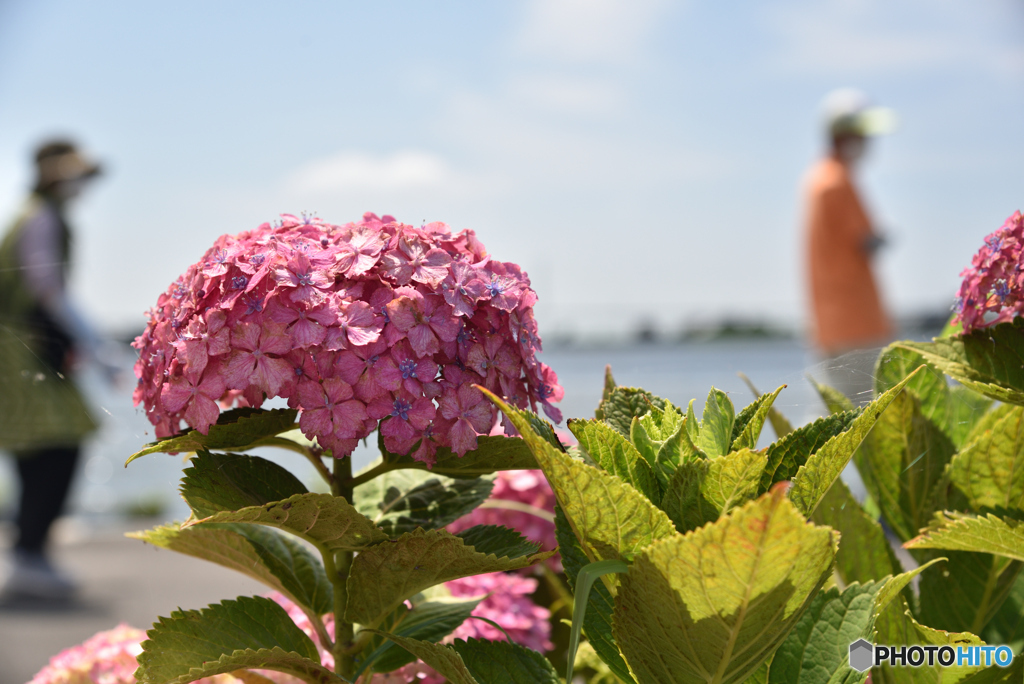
[864, 554]
[328, 522]
[250, 632]
[990, 470]
[236, 430]
[615, 454]
[716, 424]
[702, 490]
[981, 534]
[815, 477]
[989, 360]
[902, 462]
[283, 564]
[611, 518]
[444, 659]
[750, 421]
[711, 606]
[384, 575]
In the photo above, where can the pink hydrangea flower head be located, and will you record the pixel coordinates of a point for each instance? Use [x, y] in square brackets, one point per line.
[371, 325]
[993, 285]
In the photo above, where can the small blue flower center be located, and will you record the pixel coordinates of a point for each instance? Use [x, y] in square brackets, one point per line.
[401, 409]
[408, 368]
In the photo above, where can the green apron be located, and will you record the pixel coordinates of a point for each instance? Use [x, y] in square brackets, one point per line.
[40, 407]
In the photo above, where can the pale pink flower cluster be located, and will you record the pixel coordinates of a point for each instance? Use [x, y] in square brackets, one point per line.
[508, 604]
[366, 324]
[993, 285]
[525, 490]
[104, 658]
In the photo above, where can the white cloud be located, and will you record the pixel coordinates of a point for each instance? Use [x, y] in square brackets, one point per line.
[361, 172]
[875, 36]
[589, 30]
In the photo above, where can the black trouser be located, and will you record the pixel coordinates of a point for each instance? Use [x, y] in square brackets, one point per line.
[45, 481]
[45, 474]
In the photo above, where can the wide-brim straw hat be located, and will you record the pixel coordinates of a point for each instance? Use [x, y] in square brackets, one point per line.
[59, 161]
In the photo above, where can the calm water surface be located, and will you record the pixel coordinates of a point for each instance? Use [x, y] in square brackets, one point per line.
[679, 373]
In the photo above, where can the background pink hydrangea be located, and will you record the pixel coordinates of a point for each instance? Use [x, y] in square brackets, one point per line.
[531, 512]
[993, 285]
[366, 324]
[109, 657]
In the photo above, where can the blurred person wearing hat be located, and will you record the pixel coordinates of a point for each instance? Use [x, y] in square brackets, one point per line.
[43, 416]
[847, 310]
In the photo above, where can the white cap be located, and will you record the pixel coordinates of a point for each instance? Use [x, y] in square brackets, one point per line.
[849, 110]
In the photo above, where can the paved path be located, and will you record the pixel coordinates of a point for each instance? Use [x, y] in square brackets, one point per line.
[122, 580]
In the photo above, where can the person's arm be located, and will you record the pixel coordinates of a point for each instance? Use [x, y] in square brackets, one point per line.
[40, 254]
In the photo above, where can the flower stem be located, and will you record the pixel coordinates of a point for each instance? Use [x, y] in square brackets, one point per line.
[375, 472]
[344, 660]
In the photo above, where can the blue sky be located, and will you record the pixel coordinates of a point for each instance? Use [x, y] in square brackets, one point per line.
[641, 159]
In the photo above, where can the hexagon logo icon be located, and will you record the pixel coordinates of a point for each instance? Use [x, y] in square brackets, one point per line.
[861, 652]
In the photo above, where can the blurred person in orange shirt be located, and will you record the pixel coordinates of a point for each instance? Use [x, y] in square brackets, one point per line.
[847, 310]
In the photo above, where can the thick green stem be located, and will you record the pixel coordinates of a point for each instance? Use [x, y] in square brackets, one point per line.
[338, 568]
[372, 474]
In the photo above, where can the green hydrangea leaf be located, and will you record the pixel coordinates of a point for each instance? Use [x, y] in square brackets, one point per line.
[865, 554]
[788, 454]
[746, 430]
[615, 454]
[701, 490]
[955, 409]
[711, 606]
[780, 424]
[967, 408]
[281, 563]
[501, 541]
[677, 449]
[642, 442]
[226, 482]
[606, 392]
[444, 659]
[493, 453]
[966, 592]
[691, 422]
[902, 463]
[625, 403]
[815, 477]
[428, 621]
[610, 517]
[597, 621]
[835, 401]
[1001, 536]
[716, 424]
[990, 470]
[989, 360]
[661, 423]
[384, 575]
[895, 625]
[1007, 625]
[248, 632]
[328, 522]
[817, 650]
[239, 429]
[402, 500]
[505, 662]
